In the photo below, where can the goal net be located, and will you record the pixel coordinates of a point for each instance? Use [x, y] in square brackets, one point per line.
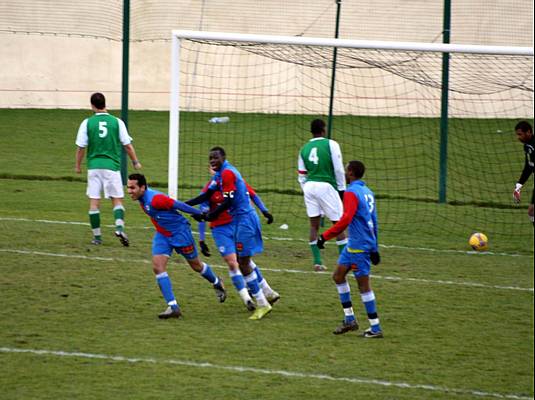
[386, 113]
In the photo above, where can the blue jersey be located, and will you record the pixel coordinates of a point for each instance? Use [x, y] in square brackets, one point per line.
[233, 186]
[360, 215]
[163, 212]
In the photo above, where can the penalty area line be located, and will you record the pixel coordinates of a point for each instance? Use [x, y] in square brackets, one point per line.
[283, 270]
[264, 371]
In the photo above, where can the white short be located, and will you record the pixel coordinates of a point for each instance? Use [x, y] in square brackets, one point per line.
[110, 182]
[322, 199]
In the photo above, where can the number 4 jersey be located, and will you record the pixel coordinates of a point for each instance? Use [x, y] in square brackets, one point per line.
[104, 136]
[320, 160]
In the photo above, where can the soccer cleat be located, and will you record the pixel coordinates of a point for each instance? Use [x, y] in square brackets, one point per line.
[261, 312]
[170, 313]
[368, 333]
[96, 242]
[319, 267]
[273, 298]
[220, 291]
[122, 238]
[250, 305]
[346, 327]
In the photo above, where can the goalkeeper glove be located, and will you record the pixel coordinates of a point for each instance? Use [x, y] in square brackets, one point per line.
[375, 258]
[516, 193]
[204, 248]
[268, 216]
[321, 242]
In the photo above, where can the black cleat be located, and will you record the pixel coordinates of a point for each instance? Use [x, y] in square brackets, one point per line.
[170, 313]
[369, 334]
[250, 305]
[220, 291]
[346, 327]
[122, 238]
[273, 298]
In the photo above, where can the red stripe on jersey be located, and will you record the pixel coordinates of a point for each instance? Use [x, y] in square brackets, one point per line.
[162, 202]
[160, 229]
[351, 203]
[250, 190]
[228, 181]
[301, 172]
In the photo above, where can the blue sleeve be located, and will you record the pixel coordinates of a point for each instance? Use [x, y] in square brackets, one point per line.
[178, 205]
[375, 229]
[258, 202]
[202, 231]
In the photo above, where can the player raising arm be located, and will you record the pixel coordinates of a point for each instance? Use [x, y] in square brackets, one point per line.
[172, 233]
[360, 216]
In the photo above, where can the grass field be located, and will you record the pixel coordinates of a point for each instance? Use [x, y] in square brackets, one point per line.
[78, 321]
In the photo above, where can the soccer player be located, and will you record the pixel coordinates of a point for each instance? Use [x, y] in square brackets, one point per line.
[172, 233]
[361, 216]
[223, 234]
[104, 136]
[524, 133]
[321, 176]
[247, 232]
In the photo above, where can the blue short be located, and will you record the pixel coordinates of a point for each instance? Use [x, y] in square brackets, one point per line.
[224, 239]
[356, 260]
[248, 235]
[181, 242]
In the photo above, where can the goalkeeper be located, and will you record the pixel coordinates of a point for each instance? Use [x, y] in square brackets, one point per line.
[362, 248]
[524, 133]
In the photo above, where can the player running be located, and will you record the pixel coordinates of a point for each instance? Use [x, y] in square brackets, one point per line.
[172, 233]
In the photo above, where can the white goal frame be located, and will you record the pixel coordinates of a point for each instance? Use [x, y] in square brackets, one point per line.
[178, 35]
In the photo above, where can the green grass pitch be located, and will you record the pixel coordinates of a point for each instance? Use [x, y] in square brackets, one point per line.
[78, 321]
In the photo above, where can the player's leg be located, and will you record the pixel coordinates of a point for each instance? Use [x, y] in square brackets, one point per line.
[161, 251]
[113, 188]
[223, 236]
[344, 293]
[362, 274]
[94, 188]
[333, 209]
[271, 295]
[314, 214]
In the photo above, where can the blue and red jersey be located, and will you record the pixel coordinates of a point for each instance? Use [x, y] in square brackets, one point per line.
[234, 187]
[360, 215]
[163, 212]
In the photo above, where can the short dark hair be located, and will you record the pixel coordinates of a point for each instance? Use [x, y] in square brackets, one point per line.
[357, 168]
[220, 149]
[317, 126]
[524, 126]
[98, 100]
[140, 178]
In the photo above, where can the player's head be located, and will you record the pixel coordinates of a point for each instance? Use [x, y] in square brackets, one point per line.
[524, 131]
[98, 101]
[354, 170]
[317, 128]
[136, 186]
[217, 157]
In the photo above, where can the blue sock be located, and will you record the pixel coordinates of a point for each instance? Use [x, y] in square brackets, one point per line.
[344, 293]
[252, 283]
[259, 276]
[237, 279]
[209, 275]
[368, 299]
[167, 289]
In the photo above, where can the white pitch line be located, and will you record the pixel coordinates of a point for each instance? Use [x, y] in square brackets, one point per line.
[293, 271]
[289, 239]
[263, 371]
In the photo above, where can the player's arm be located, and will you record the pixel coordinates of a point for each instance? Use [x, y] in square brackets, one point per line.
[351, 203]
[163, 202]
[524, 176]
[301, 171]
[81, 143]
[228, 187]
[259, 203]
[338, 166]
[126, 141]
[205, 195]
[202, 231]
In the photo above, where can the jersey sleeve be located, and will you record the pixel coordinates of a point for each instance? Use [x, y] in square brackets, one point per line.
[256, 198]
[526, 172]
[81, 137]
[351, 203]
[124, 137]
[301, 170]
[338, 165]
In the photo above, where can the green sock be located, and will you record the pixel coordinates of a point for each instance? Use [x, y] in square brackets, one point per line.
[118, 215]
[94, 220]
[315, 253]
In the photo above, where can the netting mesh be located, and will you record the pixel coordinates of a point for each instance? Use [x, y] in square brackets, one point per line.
[387, 114]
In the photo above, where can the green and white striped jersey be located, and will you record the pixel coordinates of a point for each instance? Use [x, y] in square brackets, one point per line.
[320, 160]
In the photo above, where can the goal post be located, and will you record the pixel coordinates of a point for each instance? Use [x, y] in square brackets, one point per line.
[386, 113]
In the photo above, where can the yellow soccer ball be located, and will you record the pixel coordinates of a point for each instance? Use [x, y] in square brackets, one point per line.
[479, 241]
